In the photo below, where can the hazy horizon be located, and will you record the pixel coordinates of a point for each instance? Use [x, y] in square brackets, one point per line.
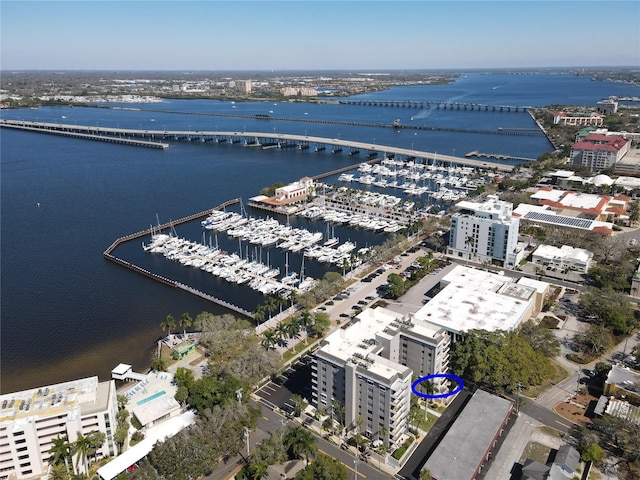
[316, 36]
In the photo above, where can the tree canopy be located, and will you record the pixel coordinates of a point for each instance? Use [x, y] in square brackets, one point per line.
[324, 468]
[499, 360]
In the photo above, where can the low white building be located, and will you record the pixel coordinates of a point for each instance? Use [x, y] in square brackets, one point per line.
[479, 299]
[295, 192]
[566, 256]
[31, 420]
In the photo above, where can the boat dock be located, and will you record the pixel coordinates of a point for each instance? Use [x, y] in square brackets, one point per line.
[108, 254]
[496, 156]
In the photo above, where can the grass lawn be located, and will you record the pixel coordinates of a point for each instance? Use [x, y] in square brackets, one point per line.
[426, 424]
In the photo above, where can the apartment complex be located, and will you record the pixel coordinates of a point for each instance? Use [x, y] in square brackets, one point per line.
[485, 232]
[31, 419]
[367, 369]
[598, 151]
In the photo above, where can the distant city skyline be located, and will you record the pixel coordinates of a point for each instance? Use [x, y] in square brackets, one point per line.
[309, 35]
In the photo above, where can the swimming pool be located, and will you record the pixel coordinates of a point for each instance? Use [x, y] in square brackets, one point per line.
[151, 397]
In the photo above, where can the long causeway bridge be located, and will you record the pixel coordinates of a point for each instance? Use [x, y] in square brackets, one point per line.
[263, 140]
[438, 105]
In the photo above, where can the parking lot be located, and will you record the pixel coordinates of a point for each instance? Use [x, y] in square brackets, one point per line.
[294, 381]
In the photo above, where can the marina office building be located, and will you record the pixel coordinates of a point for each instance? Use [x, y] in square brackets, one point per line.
[368, 367]
[31, 419]
[484, 232]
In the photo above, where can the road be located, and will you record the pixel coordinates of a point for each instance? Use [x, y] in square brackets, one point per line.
[268, 421]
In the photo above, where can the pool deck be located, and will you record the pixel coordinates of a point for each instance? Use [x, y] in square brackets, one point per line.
[153, 383]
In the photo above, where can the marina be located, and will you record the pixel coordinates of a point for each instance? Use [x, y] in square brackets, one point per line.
[76, 196]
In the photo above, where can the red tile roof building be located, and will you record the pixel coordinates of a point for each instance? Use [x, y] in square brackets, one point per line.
[599, 151]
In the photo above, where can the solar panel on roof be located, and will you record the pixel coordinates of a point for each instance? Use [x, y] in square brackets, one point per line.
[557, 219]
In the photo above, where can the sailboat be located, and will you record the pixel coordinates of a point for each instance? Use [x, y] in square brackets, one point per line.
[333, 240]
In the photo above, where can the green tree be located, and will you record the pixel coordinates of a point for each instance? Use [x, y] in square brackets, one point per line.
[259, 314]
[158, 365]
[185, 321]
[81, 448]
[301, 442]
[269, 339]
[60, 451]
[168, 324]
[425, 474]
[592, 453]
[396, 285]
[499, 360]
[58, 471]
[634, 211]
[270, 305]
[540, 338]
[96, 440]
[324, 468]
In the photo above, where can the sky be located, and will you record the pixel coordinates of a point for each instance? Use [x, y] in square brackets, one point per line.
[316, 35]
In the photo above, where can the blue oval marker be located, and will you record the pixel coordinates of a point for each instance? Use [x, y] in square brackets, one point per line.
[437, 395]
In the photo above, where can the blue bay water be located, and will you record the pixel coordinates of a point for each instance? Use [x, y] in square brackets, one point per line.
[67, 312]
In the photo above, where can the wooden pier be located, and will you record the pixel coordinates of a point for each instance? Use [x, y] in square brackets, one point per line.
[108, 254]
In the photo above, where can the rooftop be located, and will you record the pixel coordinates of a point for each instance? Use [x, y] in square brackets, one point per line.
[565, 252]
[358, 345]
[465, 445]
[477, 299]
[84, 395]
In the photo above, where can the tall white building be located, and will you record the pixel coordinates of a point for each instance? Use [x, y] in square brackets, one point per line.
[368, 369]
[31, 419]
[484, 232]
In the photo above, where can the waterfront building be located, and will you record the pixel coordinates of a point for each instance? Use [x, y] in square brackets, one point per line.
[295, 192]
[468, 443]
[479, 299]
[368, 367]
[568, 257]
[598, 151]
[607, 107]
[484, 232]
[593, 119]
[31, 420]
[243, 86]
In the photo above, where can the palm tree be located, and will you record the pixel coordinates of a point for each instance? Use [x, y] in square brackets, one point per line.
[269, 339]
[61, 449]
[168, 323]
[468, 241]
[280, 301]
[185, 321]
[282, 333]
[81, 448]
[258, 314]
[302, 441]
[58, 472]
[304, 322]
[293, 297]
[96, 440]
[258, 470]
[270, 305]
[293, 329]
